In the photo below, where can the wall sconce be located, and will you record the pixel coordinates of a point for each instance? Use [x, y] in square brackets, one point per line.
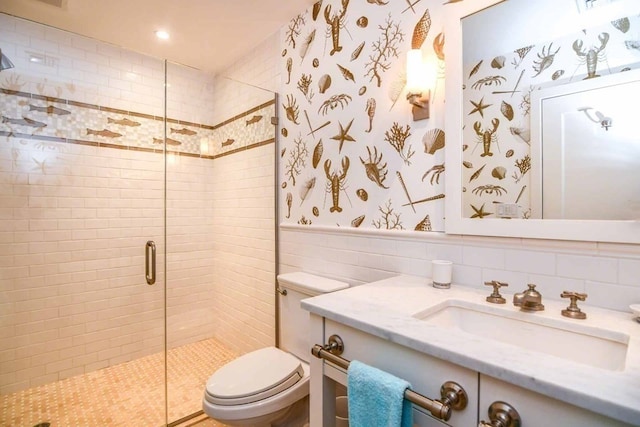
[417, 82]
[5, 63]
[604, 121]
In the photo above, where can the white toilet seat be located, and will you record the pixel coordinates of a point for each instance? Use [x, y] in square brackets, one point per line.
[253, 377]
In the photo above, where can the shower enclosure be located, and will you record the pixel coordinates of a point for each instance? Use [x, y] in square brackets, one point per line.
[137, 232]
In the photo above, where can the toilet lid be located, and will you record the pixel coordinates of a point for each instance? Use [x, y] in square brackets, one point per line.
[254, 376]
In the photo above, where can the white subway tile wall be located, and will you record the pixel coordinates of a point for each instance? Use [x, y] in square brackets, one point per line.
[611, 280]
[74, 219]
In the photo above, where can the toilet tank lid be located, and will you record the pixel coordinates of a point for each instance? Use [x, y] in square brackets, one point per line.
[310, 283]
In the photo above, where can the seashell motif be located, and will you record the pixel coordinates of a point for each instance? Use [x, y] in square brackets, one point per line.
[306, 44]
[357, 51]
[477, 173]
[316, 9]
[348, 75]
[316, 62]
[362, 194]
[284, 132]
[315, 211]
[424, 225]
[499, 172]
[475, 69]
[317, 154]
[557, 75]
[498, 62]
[421, 30]
[324, 83]
[507, 110]
[467, 164]
[438, 46]
[357, 221]
[433, 140]
[621, 24]
[362, 22]
[396, 87]
[522, 133]
[362, 90]
[509, 154]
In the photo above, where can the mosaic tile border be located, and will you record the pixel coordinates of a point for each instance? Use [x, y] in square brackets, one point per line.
[23, 115]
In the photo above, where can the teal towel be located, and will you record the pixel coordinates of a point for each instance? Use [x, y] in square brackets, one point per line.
[376, 398]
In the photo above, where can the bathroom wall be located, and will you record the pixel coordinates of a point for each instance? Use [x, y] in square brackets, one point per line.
[340, 244]
[77, 208]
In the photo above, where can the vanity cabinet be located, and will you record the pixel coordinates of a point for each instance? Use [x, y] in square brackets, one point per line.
[536, 409]
[426, 374]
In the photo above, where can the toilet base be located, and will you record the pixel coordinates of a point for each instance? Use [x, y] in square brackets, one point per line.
[296, 415]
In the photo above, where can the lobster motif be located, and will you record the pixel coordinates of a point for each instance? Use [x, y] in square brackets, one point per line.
[335, 22]
[336, 182]
[593, 55]
[487, 136]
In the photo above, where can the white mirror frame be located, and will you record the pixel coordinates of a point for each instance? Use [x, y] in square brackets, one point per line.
[580, 230]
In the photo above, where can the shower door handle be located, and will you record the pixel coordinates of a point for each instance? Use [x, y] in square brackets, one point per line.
[150, 262]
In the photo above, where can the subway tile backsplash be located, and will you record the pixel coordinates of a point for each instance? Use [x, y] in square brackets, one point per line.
[359, 257]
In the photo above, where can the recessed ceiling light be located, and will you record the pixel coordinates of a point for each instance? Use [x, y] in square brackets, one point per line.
[162, 35]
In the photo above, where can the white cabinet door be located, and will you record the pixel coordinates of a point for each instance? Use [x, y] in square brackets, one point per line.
[425, 373]
[537, 410]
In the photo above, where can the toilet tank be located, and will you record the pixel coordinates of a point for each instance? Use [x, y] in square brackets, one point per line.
[294, 320]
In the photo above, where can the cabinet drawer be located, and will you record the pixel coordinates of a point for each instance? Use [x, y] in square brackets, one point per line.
[536, 409]
[425, 373]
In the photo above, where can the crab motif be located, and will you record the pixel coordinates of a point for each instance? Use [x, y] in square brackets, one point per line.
[489, 189]
[333, 102]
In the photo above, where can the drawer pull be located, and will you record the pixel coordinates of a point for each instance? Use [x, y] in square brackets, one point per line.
[501, 414]
[452, 395]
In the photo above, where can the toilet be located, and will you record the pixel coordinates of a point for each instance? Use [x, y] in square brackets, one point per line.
[270, 386]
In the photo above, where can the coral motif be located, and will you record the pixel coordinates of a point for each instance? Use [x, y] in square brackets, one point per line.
[397, 136]
[389, 220]
[293, 30]
[384, 50]
[297, 159]
[304, 85]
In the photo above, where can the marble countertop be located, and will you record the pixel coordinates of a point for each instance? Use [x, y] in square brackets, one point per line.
[393, 309]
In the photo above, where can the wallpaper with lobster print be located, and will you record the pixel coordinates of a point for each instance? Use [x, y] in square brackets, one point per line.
[350, 153]
[497, 105]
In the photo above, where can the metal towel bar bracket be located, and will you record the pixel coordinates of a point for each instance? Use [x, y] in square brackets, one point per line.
[452, 395]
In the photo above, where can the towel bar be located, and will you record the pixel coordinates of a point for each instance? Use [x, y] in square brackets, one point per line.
[452, 395]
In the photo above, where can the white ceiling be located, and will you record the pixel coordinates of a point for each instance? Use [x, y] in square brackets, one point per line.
[205, 34]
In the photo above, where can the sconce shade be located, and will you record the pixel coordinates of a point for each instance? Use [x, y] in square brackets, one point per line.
[415, 71]
[5, 63]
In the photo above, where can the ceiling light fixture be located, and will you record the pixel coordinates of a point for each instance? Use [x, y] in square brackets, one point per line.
[162, 35]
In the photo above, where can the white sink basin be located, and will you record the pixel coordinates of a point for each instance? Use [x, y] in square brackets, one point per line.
[567, 339]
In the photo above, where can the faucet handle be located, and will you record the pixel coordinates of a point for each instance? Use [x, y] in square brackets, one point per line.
[573, 311]
[495, 296]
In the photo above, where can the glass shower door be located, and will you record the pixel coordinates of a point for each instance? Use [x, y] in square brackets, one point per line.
[82, 173]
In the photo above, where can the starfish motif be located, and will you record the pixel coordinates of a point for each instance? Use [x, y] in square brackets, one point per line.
[479, 107]
[343, 135]
[479, 213]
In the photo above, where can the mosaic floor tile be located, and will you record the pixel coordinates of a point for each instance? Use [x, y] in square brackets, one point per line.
[129, 394]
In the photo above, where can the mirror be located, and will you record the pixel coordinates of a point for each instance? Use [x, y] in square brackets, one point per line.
[510, 150]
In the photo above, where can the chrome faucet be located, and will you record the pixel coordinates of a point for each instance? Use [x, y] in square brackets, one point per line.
[529, 300]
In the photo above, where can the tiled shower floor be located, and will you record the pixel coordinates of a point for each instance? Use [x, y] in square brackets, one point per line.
[130, 394]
